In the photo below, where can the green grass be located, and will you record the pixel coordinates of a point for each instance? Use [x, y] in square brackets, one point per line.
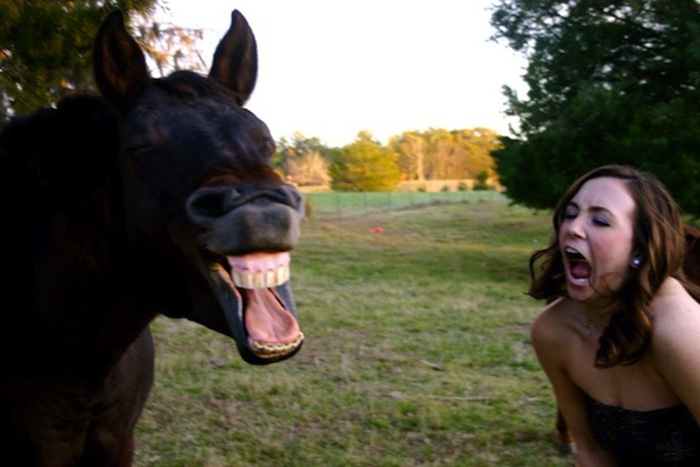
[417, 353]
[341, 204]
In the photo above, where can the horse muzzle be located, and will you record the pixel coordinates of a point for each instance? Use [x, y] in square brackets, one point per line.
[245, 236]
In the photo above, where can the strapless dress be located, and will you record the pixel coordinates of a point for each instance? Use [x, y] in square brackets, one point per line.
[668, 436]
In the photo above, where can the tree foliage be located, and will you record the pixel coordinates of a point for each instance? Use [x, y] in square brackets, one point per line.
[609, 82]
[365, 165]
[170, 47]
[46, 47]
[435, 154]
[304, 161]
[438, 154]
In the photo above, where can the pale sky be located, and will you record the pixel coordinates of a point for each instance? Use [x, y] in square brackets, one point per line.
[332, 68]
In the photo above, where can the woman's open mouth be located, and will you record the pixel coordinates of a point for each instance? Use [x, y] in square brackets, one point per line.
[577, 267]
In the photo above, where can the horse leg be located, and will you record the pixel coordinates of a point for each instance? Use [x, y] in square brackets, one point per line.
[110, 440]
[126, 456]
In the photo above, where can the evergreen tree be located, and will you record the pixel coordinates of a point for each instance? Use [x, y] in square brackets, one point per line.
[609, 82]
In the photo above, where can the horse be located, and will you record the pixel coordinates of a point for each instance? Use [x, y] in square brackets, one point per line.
[691, 269]
[154, 197]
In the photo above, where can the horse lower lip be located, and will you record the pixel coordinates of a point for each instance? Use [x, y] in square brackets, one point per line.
[236, 302]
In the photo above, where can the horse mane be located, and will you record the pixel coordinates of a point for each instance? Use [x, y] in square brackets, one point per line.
[58, 169]
[191, 85]
[60, 152]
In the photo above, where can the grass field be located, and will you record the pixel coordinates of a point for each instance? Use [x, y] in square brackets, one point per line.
[417, 353]
[340, 205]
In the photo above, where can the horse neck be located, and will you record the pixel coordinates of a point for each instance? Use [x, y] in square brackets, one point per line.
[73, 307]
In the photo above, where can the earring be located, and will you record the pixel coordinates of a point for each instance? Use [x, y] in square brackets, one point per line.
[636, 262]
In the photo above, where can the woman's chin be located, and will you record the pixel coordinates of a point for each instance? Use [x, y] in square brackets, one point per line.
[579, 290]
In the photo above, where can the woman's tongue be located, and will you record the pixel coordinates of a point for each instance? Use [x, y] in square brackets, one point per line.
[580, 270]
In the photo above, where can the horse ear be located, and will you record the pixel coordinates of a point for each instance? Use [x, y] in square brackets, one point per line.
[236, 59]
[119, 64]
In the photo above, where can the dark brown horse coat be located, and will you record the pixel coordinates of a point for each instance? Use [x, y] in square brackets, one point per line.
[155, 198]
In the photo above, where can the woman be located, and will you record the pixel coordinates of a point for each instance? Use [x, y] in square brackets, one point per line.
[620, 338]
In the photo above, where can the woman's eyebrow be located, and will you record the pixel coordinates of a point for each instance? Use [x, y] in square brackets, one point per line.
[593, 209]
[599, 209]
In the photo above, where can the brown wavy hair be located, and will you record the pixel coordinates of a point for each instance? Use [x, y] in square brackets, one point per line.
[658, 239]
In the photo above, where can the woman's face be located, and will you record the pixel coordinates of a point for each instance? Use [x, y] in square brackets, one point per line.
[596, 238]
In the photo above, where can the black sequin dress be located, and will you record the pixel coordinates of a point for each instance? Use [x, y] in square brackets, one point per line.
[669, 436]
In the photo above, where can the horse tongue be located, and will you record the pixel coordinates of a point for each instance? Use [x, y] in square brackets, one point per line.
[266, 320]
[580, 270]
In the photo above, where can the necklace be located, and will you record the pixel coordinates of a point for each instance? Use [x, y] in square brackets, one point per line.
[588, 327]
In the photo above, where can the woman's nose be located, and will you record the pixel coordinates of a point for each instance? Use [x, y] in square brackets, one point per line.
[575, 228]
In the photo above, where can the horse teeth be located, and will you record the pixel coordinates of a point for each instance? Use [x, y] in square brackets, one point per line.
[247, 279]
[282, 275]
[237, 279]
[269, 350]
[259, 280]
[270, 279]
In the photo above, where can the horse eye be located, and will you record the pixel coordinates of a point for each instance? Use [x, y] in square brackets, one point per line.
[139, 151]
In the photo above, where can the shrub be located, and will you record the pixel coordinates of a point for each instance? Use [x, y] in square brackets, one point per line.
[482, 181]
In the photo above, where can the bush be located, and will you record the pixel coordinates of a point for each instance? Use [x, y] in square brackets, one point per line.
[482, 181]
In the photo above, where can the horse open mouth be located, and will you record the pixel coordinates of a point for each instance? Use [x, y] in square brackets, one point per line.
[255, 292]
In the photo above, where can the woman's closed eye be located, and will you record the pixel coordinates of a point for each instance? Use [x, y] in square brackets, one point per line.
[601, 221]
[571, 212]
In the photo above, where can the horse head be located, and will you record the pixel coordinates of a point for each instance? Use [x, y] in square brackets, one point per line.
[210, 224]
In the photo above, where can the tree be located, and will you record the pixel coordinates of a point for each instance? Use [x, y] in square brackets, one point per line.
[442, 148]
[46, 47]
[477, 146]
[441, 154]
[411, 149]
[170, 47]
[365, 165]
[609, 82]
[303, 160]
[310, 169]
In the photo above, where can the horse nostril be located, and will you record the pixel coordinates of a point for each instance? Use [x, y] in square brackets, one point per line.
[292, 196]
[208, 204]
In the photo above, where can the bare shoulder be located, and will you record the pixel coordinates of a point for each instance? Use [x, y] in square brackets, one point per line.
[675, 342]
[675, 324]
[674, 314]
[549, 328]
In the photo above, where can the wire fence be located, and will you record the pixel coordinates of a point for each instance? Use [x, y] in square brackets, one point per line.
[337, 205]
